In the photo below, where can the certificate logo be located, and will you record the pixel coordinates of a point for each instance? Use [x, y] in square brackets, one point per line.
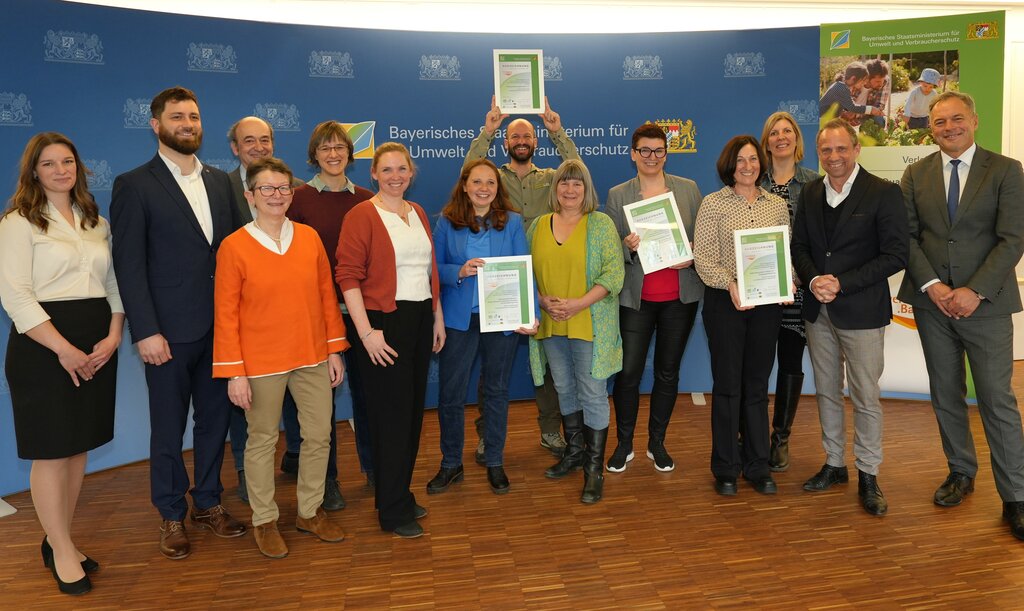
[137, 113]
[440, 68]
[101, 178]
[282, 117]
[681, 135]
[839, 40]
[552, 68]
[15, 110]
[804, 111]
[330, 64]
[641, 68]
[744, 64]
[988, 30]
[208, 57]
[362, 138]
[72, 47]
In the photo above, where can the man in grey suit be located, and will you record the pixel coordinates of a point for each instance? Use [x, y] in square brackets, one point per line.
[966, 211]
[251, 138]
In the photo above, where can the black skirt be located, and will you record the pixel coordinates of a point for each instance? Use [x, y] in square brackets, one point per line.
[52, 417]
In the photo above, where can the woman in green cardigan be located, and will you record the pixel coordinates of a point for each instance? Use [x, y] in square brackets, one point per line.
[577, 262]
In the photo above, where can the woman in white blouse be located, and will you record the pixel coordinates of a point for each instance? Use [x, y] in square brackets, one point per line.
[58, 287]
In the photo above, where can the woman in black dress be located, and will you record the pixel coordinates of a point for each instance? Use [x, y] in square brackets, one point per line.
[58, 287]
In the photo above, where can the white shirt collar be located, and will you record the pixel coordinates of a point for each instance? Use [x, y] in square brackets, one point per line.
[833, 197]
[287, 233]
[176, 171]
[966, 158]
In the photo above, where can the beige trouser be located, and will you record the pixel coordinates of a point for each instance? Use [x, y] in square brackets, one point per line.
[311, 389]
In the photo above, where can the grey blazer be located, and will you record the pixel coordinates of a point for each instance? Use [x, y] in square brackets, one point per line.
[238, 193]
[983, 244]
[688, 199]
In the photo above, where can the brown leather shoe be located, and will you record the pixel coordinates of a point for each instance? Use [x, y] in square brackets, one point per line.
[173, 540]
[218, 520]
[321, 526]
[269, 540]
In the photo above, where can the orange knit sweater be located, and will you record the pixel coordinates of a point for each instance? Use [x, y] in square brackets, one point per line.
[274, 312]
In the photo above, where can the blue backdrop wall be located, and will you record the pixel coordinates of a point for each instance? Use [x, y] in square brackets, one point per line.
[90, 73]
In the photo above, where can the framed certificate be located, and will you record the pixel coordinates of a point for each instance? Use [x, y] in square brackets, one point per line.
[519, 81]
[663, 240]
[764, 268]
[505, 291]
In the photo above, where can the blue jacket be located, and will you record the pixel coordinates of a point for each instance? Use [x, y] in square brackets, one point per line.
[450, 247]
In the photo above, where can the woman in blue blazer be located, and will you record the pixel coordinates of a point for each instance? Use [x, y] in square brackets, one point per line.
[477, 222]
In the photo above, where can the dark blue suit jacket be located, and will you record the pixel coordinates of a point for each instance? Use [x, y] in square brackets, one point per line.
[164, 264]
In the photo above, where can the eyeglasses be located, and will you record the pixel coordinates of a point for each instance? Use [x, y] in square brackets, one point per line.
[326, 149]
[647, 152]
[268, 190]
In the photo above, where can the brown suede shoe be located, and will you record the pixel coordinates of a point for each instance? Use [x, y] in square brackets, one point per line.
[269, 540]
[218, 520]
[173, 540]
[321, 526]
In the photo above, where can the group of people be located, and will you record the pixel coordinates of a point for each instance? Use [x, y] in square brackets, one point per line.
[251, 295]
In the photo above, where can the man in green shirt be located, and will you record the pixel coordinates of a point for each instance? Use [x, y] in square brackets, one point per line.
[528, 187]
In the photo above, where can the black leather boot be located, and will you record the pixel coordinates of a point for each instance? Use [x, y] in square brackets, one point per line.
[572, 458]
[787, 396]
[593, 464]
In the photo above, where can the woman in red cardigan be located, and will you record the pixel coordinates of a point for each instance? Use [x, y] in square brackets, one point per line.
[388, 277]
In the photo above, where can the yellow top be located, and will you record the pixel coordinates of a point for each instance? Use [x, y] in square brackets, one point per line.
[561, 271]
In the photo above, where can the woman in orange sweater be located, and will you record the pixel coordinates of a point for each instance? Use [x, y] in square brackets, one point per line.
[388, 277]
[277, 325]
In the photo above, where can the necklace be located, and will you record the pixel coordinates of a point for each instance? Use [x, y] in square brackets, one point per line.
[257, 225]
[402, 212]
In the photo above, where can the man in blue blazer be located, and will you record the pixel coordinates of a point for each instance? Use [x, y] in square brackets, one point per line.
[849, 236]
[966, 210]
[168, 217]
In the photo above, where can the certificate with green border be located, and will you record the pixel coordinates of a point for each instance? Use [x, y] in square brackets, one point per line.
[764, 268]
[505, 292]
[519, 81]
[663, 241]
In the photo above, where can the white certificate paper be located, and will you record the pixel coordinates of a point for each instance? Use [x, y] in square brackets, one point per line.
[519, 81]
[505, 292]
[764, 268]
[663, 240]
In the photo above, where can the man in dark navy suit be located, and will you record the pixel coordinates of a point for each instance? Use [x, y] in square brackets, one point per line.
[168, 217]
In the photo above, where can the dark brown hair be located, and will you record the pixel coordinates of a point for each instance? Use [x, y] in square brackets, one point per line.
[29, 199]
[459, 210]
[726, 165]
[325, 132]
[649, 130]
[172, 94]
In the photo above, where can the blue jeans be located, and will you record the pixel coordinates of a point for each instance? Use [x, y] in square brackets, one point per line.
[497, 354]
[571, 362]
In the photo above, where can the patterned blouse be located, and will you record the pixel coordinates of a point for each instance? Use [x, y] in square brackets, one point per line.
[720, 214]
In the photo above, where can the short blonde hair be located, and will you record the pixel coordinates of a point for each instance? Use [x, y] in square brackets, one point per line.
[573, 169]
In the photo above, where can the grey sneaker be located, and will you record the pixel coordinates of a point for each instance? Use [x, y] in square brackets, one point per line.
[333, 501]
[553, 442]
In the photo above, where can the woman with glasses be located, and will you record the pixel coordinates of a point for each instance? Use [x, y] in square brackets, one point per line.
[664, 301]
[277, 326]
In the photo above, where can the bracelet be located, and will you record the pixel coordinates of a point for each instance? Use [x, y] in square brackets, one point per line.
[367, 334]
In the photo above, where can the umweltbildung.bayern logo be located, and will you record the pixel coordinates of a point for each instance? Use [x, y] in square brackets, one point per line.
[440, 68]
[137, 113]
[552, 68]
[101, 177]
[362, 138]
[282, 117]
[72, 47]
[641, 68]
[804, 111]
[744, 64]
[15, 109]
[681, 135]
[839, 40]
[207, 57]
[330, 64]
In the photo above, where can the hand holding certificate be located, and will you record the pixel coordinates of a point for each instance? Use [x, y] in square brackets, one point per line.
[663, 240]
[764, 269]
[506, 295]
[519, 80]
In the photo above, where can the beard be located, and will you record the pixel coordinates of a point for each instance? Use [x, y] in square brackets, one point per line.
[521, 157]
[185, 146]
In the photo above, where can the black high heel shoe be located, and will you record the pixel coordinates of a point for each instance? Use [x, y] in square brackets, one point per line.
[76, 588]
[88, 565]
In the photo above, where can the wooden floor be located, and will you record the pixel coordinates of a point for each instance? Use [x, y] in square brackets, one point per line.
[656, 541]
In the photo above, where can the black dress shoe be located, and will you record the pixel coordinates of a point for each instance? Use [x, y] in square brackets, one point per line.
[1013, 513]
[764, 484]
[826, 478]
[409, 531]
[871, 495]
[75, 588]
[952, 491]
[726, 486]
[88, 565]
[446, 476]
[419, 512]
[497, 479]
